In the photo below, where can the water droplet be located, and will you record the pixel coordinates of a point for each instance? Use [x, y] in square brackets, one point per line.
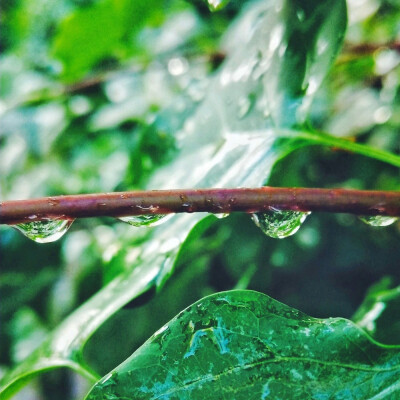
[145, 220]
[245, 105]
[279, 224]
[378, 220]
[177, 66]
[188, 207]
[44, 231]
[216, 5]
[221, 215]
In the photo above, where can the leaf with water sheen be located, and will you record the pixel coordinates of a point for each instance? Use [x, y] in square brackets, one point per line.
[218, 147]
[243, 344]
[378, 314]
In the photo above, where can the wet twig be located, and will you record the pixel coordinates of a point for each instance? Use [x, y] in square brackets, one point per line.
[119, 204]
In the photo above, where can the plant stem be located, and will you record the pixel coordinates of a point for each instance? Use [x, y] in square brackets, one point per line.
[119, 204]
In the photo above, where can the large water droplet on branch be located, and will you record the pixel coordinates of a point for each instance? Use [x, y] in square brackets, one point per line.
[378, 220]
[145, 220]
[279, 224]
[44, 231]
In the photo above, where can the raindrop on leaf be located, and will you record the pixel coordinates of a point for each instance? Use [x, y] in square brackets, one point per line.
[279, 224]
[378, 220]
[44, 231]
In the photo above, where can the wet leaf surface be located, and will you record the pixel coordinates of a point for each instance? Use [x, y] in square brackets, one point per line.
[243, 344]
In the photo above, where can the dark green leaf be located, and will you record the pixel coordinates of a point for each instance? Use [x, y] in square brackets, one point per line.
[243, 344]
[378, 314]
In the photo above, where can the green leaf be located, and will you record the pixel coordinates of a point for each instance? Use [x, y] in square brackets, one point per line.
[243, 344]
[92, 33]
[27, 331]
[313, 35]
[378, 314]
[300, 138]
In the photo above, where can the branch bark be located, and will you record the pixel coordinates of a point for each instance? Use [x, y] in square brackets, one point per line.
[361, 202]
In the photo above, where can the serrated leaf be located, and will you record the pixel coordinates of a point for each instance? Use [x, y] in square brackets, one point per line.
[243, 344]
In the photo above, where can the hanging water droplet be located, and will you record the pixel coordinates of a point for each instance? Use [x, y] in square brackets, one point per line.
[44, 231]
[279, 224]
[216, 5]
[145, 220]
[221, 215]
[378, 220]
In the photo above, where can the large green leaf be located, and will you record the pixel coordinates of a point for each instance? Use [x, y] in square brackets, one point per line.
[243, 344]
[231, 140]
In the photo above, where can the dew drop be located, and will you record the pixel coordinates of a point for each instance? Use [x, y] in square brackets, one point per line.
[145, 220]
[44, 231]
[279, 224]
[378, 220]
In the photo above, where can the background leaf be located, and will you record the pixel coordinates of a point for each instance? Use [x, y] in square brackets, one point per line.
[244, 344]
[93, 33]
[378, 314]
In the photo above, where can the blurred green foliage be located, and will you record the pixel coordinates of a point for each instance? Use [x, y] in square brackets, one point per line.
[91, 96]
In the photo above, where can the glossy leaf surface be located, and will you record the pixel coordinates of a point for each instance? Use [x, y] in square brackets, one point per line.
[243, 344]
[378, 314]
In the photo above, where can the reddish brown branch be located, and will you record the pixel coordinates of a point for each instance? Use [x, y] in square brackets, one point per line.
[369, 48]
[202, 200]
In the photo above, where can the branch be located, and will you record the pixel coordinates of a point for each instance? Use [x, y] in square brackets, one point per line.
[370, 48]
[120, 204]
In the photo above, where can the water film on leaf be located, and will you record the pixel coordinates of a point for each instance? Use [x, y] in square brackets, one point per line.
[243, 344]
